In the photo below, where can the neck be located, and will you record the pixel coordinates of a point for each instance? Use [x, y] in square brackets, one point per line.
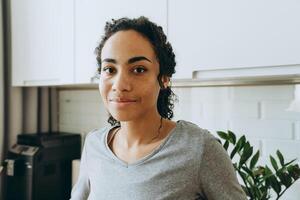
[140, 132]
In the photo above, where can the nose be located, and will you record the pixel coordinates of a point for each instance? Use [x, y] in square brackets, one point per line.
[121, 82]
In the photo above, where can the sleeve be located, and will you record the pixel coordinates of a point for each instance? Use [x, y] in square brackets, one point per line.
[217, 174]
[81, 189]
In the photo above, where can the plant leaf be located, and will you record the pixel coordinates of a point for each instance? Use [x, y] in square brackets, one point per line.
[274, 163]
[243, 175]
[226, 144]
[247, 146]
[288, 163]
[241, 142]
[294, 171]
[235, 149]
[223, 135]
[246, 169]
[280, 157]
[239, 145]
[246, 154]
[285, 178]
[267, 173]
[271, 180]
[254, 160]
[259, 171]
[232, 137]
[275, 184]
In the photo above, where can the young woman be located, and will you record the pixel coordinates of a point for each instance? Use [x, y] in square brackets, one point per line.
[143, 154]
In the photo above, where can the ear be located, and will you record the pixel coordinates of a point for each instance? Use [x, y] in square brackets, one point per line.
[165, 81]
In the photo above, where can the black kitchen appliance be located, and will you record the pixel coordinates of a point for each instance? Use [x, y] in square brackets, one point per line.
[39, 166]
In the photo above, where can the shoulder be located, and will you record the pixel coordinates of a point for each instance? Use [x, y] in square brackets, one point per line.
[95, 133]
[195, 132]
[207, 141]
[96, 136]
[195, 139]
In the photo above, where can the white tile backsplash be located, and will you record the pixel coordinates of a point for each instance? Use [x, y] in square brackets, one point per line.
[80, 111]
[279, 92]
[256, 111]
[244, 109]
[255, 128]
[219, 110]
[277, 110]
[297, 131]
[289, 148]
[212, 124]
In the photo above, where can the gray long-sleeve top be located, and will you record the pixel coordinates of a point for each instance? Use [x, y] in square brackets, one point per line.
[188, 164]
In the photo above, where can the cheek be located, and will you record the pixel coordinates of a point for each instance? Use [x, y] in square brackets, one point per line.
[103, 91]
[151, 93]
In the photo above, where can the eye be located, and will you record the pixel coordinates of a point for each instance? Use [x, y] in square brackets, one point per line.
[108, 70]
[139, 70]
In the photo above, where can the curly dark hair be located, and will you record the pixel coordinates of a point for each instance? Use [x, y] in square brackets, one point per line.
[164, 54]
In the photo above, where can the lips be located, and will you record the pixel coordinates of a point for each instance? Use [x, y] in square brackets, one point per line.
[122, 100]
[122, 103]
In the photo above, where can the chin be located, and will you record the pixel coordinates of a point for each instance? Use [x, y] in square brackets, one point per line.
[122, 117]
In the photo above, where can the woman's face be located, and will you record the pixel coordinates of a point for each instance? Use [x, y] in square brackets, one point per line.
[128, 82]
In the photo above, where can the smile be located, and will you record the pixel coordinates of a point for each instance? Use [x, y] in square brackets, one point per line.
[122, 102]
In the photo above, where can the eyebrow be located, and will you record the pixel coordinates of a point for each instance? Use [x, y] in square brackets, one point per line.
[130, 61]
[137, 58]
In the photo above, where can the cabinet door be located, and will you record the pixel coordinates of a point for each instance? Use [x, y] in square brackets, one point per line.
[42, 42]
[91, 17]
[210, 35]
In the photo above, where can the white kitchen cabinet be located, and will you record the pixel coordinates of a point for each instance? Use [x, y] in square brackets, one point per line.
[42, 42]
[53, 42]
[90, 19]
[235, 35]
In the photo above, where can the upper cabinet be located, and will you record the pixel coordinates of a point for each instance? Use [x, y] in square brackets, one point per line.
[42, 42]
[243, 37]
[53, 42]
[90, 19]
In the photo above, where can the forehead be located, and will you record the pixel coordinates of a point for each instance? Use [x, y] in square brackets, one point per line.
[126, 44]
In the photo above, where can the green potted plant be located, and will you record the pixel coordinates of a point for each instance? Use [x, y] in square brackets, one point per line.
[259, 181]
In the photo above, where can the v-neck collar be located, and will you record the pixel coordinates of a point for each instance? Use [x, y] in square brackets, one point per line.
[141, 160]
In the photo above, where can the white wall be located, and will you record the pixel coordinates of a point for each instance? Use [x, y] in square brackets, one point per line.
[256, 111]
